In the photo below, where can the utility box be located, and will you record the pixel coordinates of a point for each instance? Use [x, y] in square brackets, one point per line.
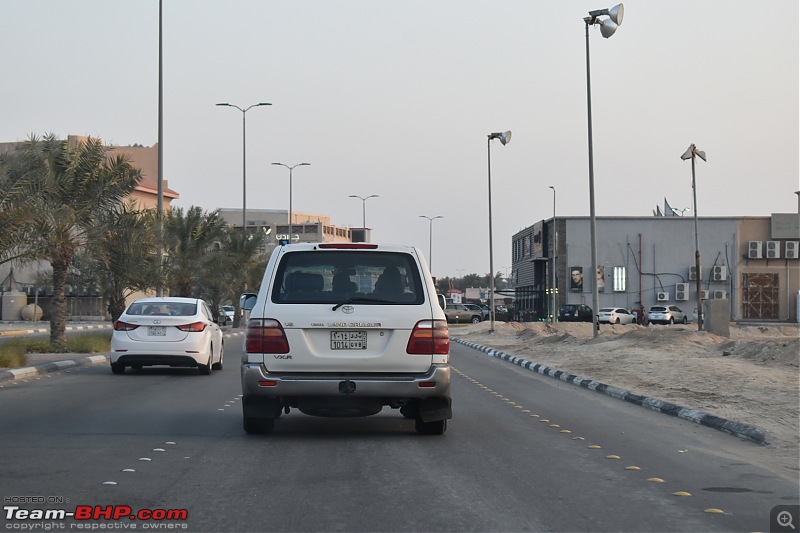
[717, 317]
[12, 304]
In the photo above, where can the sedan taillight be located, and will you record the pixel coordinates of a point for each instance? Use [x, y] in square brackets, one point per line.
[124, 326]
[194, 326]
[429, 337]
[265, 335]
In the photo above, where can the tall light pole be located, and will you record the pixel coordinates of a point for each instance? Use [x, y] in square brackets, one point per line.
[607, 28]
[691, 153]
[244, 156]
[430, 240]
[290, 192]
[505, 138]
[364, 207]
[553, 288]
[160, 202]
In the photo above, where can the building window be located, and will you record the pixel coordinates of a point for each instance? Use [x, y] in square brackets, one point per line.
[619, 279]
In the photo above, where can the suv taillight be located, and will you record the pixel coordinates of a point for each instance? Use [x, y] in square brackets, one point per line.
[265, 335]
[429, 337]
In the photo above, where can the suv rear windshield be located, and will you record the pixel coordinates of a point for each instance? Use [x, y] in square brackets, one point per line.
[340, 276]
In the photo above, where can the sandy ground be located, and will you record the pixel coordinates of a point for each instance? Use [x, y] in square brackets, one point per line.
[752, 377]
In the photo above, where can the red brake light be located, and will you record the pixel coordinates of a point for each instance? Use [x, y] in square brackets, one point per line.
[429, 337]
[195, 326]
[265, 335]
[124, 326]
[349, 246]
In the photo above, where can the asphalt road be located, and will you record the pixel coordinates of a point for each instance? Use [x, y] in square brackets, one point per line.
[171, 439]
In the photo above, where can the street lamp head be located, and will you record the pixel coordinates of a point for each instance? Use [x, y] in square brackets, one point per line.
[551, 187]
[692, 151]
[607, 26]
[505, 137]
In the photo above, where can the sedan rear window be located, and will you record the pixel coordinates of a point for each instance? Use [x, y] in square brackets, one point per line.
[340, 276]
[162, 309]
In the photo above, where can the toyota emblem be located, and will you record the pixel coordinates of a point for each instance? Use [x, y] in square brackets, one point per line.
[348, 309]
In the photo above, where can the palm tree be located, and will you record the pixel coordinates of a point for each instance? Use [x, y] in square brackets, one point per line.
[68, 188]
[121, 255]
[188, 240]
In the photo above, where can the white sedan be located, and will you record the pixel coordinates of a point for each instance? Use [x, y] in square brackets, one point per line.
[167, 331]
[615, 315]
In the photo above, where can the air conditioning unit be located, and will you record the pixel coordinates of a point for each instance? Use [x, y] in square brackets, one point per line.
[754, 250]
[704, 295]
[719, 273]
[773, 250]
[663, 296]
[693, 273]
[720, 295]
[682, 291]
[792, 249]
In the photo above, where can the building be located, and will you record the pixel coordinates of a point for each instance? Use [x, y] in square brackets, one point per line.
[305, 227]
[751, 263]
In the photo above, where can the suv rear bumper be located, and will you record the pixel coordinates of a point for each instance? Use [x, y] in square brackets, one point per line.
[434, 383]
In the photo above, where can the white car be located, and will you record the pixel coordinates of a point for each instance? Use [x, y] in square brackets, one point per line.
[226, 313]
[615, 315]
[667, 314]
[168, 331]
[344, 330]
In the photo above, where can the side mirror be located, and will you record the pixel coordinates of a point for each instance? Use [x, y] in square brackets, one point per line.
[442, 301]
[247, 301]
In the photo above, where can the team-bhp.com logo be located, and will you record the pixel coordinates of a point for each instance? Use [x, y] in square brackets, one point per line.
[95, 512]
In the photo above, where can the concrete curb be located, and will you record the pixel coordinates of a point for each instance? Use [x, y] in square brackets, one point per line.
[744, 431]
[33, 371]
[13, 332]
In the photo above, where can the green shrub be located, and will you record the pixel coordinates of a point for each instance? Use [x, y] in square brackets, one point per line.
[13, 351]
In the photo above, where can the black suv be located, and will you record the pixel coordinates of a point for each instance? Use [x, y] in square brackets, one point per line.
[575, 313]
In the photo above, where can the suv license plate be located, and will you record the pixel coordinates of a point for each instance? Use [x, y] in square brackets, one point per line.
[348, 340]
[156, 331]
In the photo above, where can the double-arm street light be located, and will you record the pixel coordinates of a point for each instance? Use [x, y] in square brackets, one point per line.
[430, 240]
[607, 28]
[244, 156]
[691, 153]
[364, 207]
[505, 138]
[290, 221]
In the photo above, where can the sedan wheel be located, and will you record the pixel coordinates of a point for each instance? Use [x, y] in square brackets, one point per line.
[258, 426]
[117, 368]
[671, 321]
[476, 320]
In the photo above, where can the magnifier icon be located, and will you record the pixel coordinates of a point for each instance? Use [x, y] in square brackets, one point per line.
[785, 519]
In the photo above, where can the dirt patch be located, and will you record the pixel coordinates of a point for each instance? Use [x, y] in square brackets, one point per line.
[752, 377]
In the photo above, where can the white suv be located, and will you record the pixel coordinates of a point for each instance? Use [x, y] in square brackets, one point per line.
[342, 330]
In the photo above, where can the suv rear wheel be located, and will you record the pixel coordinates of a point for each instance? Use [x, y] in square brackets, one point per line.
[258, 426]
[437, 427]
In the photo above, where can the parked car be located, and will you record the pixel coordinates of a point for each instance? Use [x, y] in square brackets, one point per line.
[477, 307]
[168, 331]
[667, 314]
[615, 315]
[312, 348]
[484, 311]
[575, 313]
[463, 313]
[226, 313]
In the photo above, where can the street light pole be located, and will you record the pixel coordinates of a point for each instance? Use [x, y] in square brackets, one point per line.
[244, 156]
[607, 28]
[553, 288]
[364, 208]
[290, 192]
[505, 138]
[430, 240]
[691, 153]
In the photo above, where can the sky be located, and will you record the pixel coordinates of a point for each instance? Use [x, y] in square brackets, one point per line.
[397, 99]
